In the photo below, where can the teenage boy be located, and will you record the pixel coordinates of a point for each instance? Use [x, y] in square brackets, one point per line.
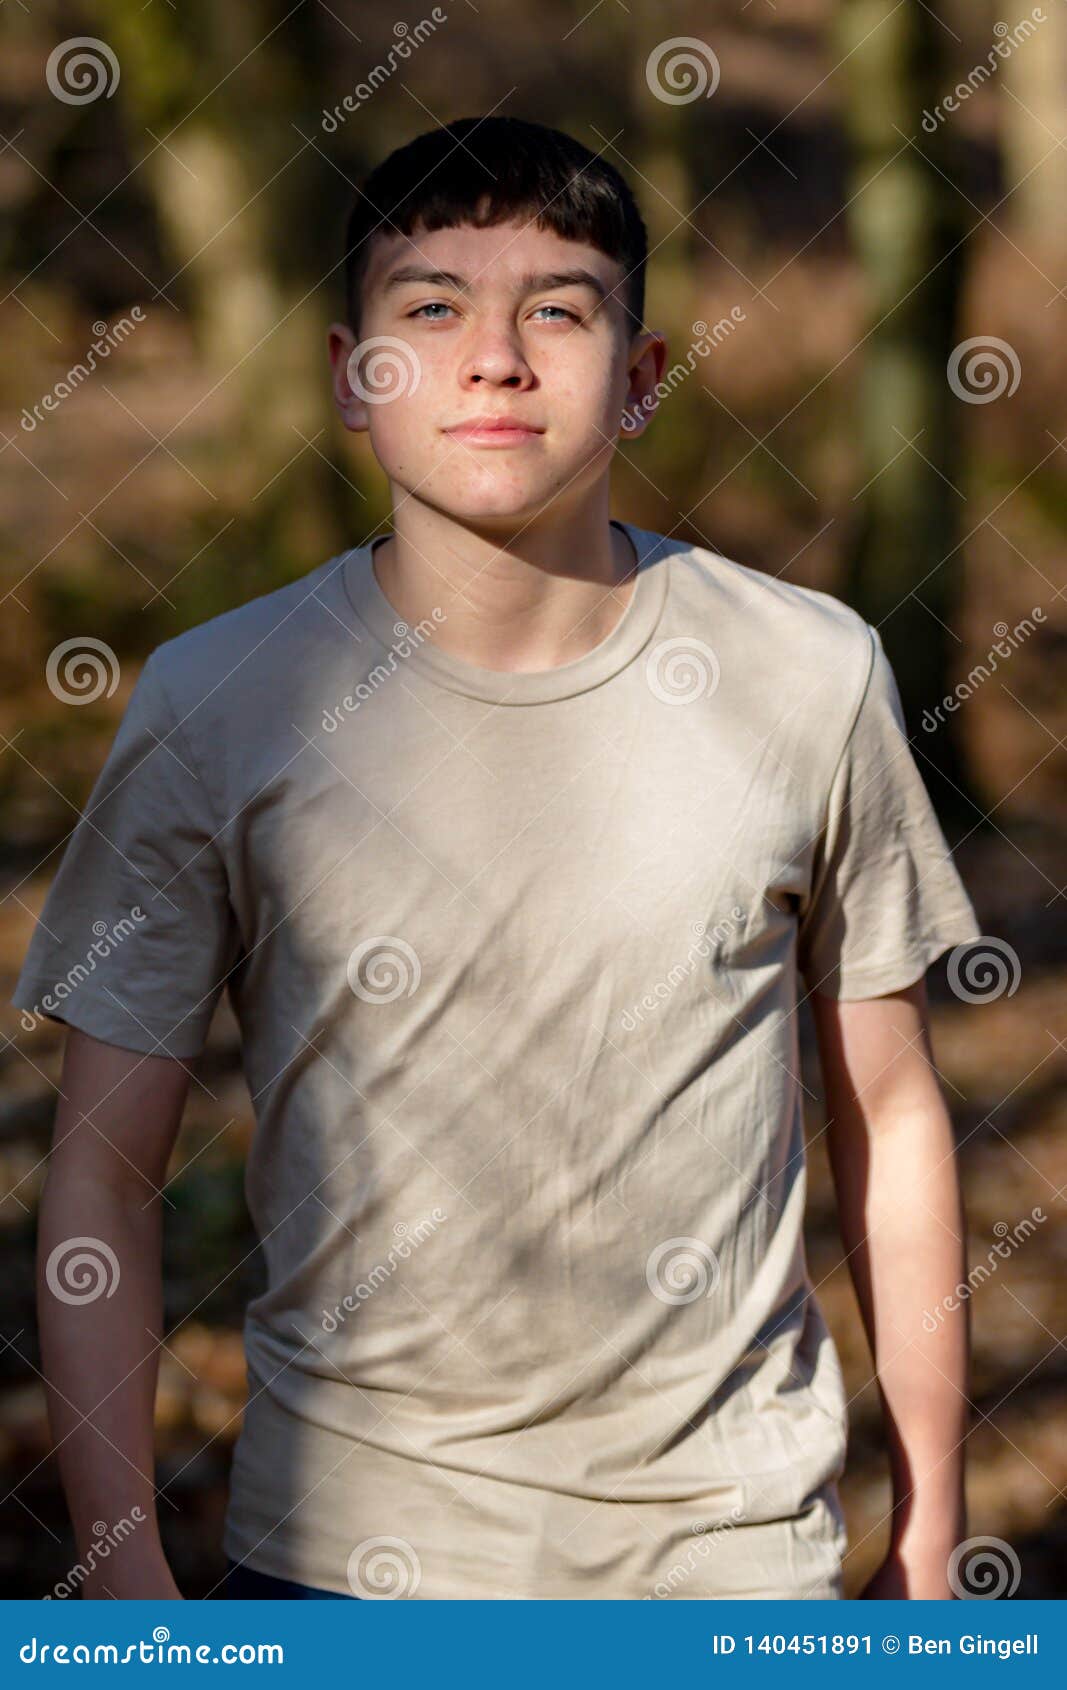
[511, 838]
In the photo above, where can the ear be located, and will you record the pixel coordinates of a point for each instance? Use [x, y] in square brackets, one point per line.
[341, 344]
[648, 359]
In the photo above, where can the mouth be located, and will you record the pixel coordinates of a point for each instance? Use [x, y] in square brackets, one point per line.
[494, 431]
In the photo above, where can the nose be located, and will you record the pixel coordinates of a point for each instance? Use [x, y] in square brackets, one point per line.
[495, 355]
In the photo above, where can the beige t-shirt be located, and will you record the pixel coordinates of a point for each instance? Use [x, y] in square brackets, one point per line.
[516, 960]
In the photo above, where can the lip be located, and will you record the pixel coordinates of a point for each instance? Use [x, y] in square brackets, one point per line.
[494, 431]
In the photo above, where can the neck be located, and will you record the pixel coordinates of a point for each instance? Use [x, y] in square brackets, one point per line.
[536, 597]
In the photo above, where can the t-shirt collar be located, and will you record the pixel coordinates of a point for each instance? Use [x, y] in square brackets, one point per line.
[415, 647]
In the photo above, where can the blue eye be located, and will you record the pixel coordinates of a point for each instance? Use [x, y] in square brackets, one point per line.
[440, 305]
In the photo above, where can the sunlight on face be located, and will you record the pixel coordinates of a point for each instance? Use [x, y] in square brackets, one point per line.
[512, 323]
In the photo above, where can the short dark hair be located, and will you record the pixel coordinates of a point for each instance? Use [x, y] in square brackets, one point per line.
[489, 170]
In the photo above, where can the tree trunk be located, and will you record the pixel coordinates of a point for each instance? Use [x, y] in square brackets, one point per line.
[903, 570]
[226, 185]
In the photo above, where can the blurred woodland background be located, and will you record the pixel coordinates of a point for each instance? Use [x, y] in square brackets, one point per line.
[887, 420]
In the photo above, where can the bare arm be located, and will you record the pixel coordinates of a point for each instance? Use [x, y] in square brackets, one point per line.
[893, 1161]
[101, 1317]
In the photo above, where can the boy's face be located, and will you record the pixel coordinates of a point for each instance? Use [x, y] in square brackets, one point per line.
[465, 325]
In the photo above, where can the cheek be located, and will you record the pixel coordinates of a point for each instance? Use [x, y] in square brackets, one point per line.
[428, 396]
[403, 428]
[586, 420]
[583, 396]
[386, 430]
[582, 399]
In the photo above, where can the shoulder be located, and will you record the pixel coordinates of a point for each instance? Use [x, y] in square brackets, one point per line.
[228, 658]
[799, 641]
[706, 584]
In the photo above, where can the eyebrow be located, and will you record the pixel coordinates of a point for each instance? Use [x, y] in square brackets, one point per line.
[541, 281]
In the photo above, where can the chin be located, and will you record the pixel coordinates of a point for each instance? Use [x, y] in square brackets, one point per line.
[508, 506]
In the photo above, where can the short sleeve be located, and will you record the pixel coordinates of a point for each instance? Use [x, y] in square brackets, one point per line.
[886, 898]
[138, 933]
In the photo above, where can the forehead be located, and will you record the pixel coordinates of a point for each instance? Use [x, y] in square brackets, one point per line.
[501, 257]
